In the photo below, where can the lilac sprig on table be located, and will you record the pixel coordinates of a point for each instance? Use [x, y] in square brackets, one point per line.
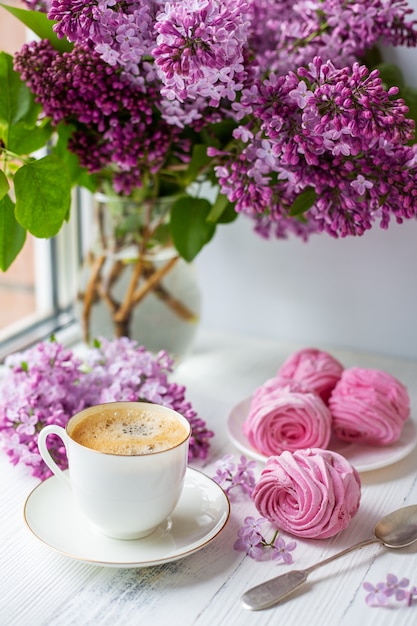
[391, 588]
[252, 540]
[230, 475]
[251, 536]
[48, 383]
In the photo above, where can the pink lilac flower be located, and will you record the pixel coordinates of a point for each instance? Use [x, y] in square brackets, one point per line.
[48, 384]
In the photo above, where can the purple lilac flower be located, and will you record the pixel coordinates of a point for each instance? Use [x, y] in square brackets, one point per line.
[281, 550]
[116, 123]
[376, 594]
[120, 33]
[412, 594]
[252, 541]
[395, 587]
[286, 34]
[392, 587]
[199, 49]
[48, 384]
[341, 141]
[230, 474]
[38, 5]
[145, 75]
[41, 386]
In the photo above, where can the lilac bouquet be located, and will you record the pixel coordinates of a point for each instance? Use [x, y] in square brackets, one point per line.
[285, 108]
[48, 383]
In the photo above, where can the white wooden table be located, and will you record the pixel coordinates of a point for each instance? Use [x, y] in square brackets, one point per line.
[39, 586]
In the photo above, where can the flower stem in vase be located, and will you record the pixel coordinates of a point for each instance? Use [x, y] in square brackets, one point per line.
[124, 272]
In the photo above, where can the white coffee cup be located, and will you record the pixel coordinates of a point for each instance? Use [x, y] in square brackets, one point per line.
[124, 495]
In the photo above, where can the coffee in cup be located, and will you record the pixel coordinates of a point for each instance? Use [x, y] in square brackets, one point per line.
[137, 430]
[126, 464]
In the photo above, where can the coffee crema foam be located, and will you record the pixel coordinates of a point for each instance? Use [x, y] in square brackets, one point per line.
[129, 432]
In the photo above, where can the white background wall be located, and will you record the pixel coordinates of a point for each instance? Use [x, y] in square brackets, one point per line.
[356, 293]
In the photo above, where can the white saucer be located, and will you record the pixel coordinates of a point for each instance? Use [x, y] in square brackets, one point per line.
[202, 512]
[363, 458]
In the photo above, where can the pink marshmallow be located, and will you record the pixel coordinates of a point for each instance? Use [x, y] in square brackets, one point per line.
[315, 368]
[309, 493]
[369, 406]
[285, 416]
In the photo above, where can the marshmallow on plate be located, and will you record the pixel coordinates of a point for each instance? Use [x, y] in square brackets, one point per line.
[315, 368]
[369, 406]
[284, 415]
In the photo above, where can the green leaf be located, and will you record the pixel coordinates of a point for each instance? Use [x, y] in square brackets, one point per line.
[16, 100]
[4, 184]
[218, 208]
[43, 196]
[12, 235]
[410, 96]
[391, 75]
[24, 139]
[303, 202]
[222, 211]
[199, 160]
[39, 23]
[78, 175]
[229, 215]
[190, 229]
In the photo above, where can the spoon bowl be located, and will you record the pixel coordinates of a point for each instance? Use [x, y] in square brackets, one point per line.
[396, 530]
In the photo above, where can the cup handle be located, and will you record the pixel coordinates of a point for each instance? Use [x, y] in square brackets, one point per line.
[53, 429]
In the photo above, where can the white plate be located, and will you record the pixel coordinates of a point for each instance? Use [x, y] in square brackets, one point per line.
[202, 512]
[363, 458]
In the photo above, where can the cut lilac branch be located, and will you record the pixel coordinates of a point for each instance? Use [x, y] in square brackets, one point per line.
[269, 101]
[48, 384]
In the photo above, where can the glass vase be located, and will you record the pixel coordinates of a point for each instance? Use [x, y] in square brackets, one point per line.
[133, 282]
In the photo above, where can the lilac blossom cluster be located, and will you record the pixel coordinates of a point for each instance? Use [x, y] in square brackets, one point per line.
[230, 475]
[334, 131]
[115, 122]
[392, 588]
[147, 79]
[47, 384]
[252, 541]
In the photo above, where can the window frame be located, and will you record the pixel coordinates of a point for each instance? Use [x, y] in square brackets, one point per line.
[57, 266]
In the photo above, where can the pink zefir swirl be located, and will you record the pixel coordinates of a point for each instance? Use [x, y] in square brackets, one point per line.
[310, 493]
[282, 417]
[317, 369]
[277, 385]
[369, 406]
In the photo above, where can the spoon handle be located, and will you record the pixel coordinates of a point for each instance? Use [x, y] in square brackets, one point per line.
[276, 589]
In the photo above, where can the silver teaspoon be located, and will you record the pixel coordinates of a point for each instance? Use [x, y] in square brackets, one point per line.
[396, 530]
